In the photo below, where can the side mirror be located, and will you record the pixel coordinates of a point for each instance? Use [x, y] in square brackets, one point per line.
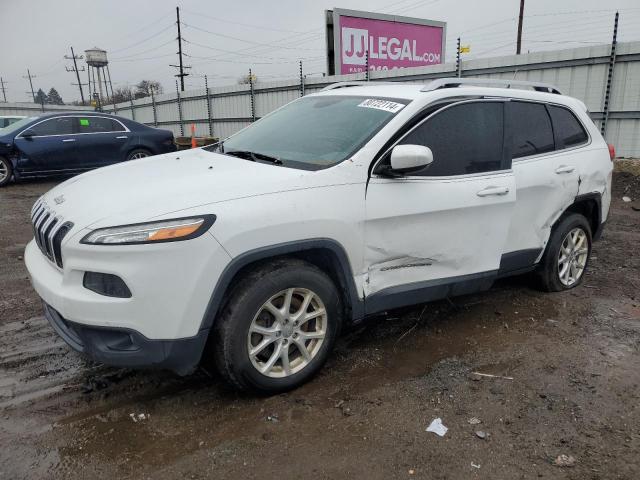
[27, 134]
[410, 158]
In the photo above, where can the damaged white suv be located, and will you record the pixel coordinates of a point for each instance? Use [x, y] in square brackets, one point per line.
[354, 200]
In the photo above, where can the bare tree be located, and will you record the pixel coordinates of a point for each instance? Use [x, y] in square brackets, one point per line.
[144, 88]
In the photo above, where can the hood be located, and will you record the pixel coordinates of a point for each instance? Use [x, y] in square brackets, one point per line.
[143, 189]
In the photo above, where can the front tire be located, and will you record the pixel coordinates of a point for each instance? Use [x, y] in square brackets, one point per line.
[6, 171]
[278, 328]
[567, 254]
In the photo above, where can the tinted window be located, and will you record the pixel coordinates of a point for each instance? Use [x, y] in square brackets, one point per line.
[54, 126]
[464, 139]
[567, 128]
[99, 125]
[531, 129]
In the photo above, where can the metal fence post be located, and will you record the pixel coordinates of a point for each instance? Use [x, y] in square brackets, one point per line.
[209, 119]
[179, 110]
[607, 91]
[153, 107]
[133, 111]
[253, 100]
[366, 65]
[301, 81]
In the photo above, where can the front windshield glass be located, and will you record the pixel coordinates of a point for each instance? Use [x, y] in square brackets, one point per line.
[315, 132]
[16, 126]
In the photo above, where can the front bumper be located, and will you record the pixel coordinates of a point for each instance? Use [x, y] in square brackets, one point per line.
[128, 348]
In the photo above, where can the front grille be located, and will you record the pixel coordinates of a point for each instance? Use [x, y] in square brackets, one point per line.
[48, 231]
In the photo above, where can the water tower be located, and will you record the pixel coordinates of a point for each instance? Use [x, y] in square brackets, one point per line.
[98, 73]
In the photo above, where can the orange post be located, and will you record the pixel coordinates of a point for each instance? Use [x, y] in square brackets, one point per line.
[194, 143]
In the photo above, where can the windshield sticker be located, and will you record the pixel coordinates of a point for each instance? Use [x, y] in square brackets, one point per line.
[386, 105]
[84, 122]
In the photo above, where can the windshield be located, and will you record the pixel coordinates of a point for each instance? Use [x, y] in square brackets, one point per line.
[15, 126]
[315, 132]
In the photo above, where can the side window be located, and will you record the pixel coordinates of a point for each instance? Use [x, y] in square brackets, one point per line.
[567, 128]
[466, 138]
[530, 128]
[98, 125]
[54, 126]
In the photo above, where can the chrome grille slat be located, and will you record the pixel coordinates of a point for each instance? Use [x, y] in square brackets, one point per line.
[52, 235]
[49, 230]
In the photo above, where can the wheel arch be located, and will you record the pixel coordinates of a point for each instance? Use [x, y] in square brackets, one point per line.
[588, 205]
[324, 253]
[138, 146]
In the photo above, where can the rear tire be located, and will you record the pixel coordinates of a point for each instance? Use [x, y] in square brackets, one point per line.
[138, 153]
[6, 171]
[567, 254]
[263, 344]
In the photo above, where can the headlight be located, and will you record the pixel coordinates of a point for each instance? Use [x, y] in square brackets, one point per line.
[152, 232]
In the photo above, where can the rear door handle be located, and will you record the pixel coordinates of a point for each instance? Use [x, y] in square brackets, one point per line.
[122, 136]
[485, 192]
[69, 140]
[565, 169]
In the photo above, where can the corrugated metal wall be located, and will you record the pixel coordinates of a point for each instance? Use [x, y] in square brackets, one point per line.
[579, 72]
[27, 108]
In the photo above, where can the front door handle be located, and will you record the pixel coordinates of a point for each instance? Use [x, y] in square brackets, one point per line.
[122, 136]
[485, 192]
[565, 169]
[68, 140]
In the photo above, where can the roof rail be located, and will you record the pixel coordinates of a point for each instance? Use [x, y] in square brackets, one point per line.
[355, 83]
[489, 82]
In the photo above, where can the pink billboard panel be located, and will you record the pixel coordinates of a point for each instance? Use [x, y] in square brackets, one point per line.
[390, 44]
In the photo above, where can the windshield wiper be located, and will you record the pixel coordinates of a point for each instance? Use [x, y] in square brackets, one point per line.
[254, 156]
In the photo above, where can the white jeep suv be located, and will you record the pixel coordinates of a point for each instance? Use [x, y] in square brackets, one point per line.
[358, 199]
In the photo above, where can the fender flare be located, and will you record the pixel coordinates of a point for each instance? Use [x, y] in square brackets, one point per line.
[265, 253]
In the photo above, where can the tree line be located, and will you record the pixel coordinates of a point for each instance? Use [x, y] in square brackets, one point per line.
[142, 89]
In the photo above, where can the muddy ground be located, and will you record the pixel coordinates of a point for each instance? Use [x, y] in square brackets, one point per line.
[572, 362]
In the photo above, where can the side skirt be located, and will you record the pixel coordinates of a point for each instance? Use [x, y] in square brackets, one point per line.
[520, 261]
[422, 292]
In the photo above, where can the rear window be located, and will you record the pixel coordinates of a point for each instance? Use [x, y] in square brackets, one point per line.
[567, 128]
[99, 125]
[532, 133]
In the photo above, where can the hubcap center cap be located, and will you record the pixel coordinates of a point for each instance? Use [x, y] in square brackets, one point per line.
[287, 330]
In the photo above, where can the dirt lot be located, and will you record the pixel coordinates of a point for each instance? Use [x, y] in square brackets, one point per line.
[572, 362]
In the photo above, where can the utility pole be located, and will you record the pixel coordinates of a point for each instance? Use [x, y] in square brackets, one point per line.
[4, 94]
[29, 76]
[519, 43]
[75, 57]
[458, 60]
[180, 65]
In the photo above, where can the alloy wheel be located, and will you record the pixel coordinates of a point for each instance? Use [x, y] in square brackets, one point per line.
[287, 332]
[573, 255]
[4, 171]
[138, 155]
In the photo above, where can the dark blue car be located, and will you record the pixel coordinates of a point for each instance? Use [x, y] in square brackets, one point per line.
[73, 142]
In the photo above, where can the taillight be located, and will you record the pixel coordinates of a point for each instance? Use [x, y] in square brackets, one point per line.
[612, 151]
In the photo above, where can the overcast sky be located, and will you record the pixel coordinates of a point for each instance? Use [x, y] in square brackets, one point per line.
[225, 38]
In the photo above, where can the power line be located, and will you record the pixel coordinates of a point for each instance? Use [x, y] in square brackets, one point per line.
[143, 40]
[261, 44]
[145, 51]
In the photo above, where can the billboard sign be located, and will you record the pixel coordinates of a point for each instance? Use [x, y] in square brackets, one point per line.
[390, 41]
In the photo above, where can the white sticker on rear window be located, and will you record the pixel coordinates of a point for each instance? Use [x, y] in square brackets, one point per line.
[386, 105]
